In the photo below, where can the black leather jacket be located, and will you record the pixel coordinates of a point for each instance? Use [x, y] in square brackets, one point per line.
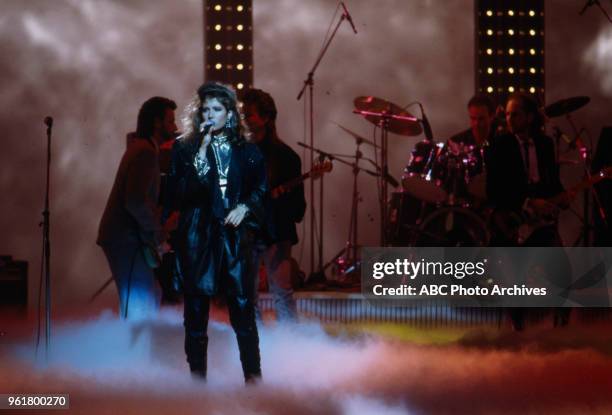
[210, 255]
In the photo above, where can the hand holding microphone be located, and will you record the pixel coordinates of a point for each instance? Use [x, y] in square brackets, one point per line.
[205, 129]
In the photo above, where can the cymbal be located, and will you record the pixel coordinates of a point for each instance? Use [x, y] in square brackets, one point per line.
[397, 121]
[565, 106]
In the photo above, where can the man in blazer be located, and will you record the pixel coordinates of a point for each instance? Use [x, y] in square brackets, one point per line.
[131, 219]
[523, 175]
[522, 181]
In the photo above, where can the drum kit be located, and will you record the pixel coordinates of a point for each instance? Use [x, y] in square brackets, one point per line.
[440, 184]
[441, 201]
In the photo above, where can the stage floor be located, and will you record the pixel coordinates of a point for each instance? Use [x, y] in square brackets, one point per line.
[113, 366]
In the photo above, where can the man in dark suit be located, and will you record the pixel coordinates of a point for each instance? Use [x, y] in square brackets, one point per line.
[523, 175]
[286, 207]
[131, 223]
[523, 181]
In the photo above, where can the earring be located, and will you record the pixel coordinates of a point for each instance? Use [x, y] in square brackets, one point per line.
[228, 123]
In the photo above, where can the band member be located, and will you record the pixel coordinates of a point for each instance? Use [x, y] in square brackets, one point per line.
[481, 111]
[465, 155]
[523, 176]
[287, 205]
[217, 182]
[130, 224]
[523, 182]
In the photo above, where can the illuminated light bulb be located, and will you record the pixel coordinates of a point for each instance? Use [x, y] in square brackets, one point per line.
[511, 70]
[511, 51]
[218, 46]
[240, 66]
[490, 70]
[218, 66]
[531, 13]
[511, 32]
[217, 27]
[532, 51]
[239, 27]
[489, 32]
[532, 32]
[239, 8]
[239, 46]
[532, 90]
[489, 51]
[217, 7]
[510, 12]
[532, 70]
[510, 89]
[489, 13]
[490, 90]
[240, 86]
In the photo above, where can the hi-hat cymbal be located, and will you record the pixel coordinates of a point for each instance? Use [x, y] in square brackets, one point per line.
[565, 106]
[384, 113]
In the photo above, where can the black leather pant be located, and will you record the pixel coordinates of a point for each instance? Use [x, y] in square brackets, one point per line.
[242, 318]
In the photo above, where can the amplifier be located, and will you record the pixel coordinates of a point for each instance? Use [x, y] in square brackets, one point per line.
[13, 283]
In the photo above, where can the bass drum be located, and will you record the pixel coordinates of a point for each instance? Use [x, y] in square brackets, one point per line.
[451, 226]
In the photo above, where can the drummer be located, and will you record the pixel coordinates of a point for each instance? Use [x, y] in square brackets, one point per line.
[481, 110]
[460, 166]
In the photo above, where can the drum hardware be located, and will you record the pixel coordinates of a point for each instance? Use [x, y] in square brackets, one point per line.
[359, 139]
[347, 261]
[389, 117]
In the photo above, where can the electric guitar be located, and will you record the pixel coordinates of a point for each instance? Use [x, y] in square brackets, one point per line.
[518, 227]
[317, 171]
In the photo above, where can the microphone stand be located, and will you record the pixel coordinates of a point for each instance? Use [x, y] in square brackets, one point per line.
[46, 247]
[348, 259]
[309, 83]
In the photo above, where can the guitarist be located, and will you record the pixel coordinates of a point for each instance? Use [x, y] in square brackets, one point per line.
[286, 206]
[523, 177]
[131, 216]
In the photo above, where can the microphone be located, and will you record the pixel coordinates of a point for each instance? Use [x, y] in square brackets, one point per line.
[426, 125]
[49, 121]
[588, 4]
[348, 17]
[205, 126]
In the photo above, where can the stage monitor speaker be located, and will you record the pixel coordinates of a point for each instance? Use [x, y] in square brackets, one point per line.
[13, 283]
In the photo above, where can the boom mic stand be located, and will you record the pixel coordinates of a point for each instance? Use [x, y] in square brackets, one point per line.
[309, 83]
[46, 249]
[348, 259]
